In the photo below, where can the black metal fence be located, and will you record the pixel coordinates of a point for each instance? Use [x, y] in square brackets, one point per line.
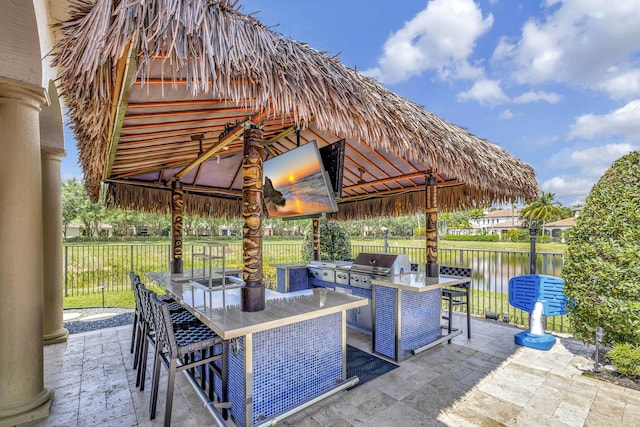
[89, 267]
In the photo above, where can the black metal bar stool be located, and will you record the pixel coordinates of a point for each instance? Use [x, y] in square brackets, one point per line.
[185, 349]
[146, 334]
[457, 295]
[137, 314]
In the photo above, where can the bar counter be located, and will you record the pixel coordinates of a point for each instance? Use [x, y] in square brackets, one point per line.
[219, 307]
[419, 282]
[291, 353]
[408, 313]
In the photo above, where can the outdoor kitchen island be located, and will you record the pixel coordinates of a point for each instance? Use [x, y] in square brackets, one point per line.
[291, 352]
[408, 312]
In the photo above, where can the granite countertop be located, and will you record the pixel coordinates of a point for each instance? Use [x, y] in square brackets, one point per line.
[220, 309]
[418, 282]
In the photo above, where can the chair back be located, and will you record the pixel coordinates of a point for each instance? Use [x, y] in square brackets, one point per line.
[136, 297]
[147, 308]
[165, 335]
[446, 270]
[135, 279]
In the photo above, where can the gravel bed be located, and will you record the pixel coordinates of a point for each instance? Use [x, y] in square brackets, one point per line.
[75, 326]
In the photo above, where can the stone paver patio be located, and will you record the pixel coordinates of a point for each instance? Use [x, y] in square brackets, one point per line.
[484, 381]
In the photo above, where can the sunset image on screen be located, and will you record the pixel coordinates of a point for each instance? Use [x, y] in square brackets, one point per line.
[295, 184]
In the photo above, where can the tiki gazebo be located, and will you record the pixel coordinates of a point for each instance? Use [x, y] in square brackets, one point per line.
[175, 105]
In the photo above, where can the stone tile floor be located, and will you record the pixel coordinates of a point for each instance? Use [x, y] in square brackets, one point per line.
[484, 381]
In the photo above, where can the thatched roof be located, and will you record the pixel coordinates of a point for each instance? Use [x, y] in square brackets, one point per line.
[142, 79]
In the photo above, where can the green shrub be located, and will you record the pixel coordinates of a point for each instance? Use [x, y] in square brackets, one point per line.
[517, 235]
[472, 237]
[626, 359]
[601, 270]
[335, 243]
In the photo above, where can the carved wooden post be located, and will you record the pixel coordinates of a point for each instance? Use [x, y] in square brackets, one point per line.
[177, 211]
[431, 211]
[253, 297]
[315, 243]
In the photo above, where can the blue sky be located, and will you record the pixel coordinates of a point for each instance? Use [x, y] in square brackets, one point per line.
[556, 83]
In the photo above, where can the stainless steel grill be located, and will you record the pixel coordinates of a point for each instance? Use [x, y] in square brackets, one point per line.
[342, 274]
[368, 266]
[326, 270]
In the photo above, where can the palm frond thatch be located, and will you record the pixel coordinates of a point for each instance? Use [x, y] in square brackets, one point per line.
[220, 51]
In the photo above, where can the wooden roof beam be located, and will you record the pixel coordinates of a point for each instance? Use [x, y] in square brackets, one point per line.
[186, 188]
[396, 178]
[232, 135]
[121, 90]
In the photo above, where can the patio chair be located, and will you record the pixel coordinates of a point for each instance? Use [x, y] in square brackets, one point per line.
[146, 331]
[457, 295]
[185, 348]
[137, 314]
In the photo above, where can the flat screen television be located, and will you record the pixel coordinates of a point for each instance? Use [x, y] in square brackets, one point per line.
[297, 185]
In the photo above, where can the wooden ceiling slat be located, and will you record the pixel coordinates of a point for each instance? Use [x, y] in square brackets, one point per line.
[183, 123]
[173, 132]
[179, 113]
[164, 143]
[148, 169]
[384, 159]
[389, 179]
[167, 104]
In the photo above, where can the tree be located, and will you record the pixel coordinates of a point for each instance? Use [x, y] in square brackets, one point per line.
[335, 243]
[92, 214]
[73, 195]
[541, 211]
[76, 205]
[123, 220]
[601, 271]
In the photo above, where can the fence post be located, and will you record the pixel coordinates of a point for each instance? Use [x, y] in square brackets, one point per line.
[532, 251]
[131, 256]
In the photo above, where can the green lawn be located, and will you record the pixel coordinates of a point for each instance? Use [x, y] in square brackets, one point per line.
[109, 265]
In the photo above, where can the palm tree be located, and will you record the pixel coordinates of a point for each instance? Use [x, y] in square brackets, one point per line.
[541, 211]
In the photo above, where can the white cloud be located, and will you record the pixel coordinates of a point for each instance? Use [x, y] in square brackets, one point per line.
[439, 38]
[485, 91]
[569, 186]
[592, 160]
[623, 84]
[624, 121]
[587, 166]
[533, 96]
[506, 115]
[591, 43]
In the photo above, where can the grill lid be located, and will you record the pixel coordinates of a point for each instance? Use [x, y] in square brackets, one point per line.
[328, 264]
[381, 264]
[375, 263]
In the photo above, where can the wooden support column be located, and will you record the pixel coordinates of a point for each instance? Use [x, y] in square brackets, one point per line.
[315, 243]
[253, 293]
[431, 212]
[177, 212]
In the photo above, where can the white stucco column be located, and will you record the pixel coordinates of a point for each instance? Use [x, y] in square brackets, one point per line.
[22, 393]
[53, 326]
